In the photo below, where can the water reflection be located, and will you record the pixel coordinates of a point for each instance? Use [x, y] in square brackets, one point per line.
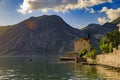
[107, 73]
[51, 69]
[96, 72]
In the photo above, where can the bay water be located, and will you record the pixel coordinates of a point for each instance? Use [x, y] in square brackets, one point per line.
[50, 68]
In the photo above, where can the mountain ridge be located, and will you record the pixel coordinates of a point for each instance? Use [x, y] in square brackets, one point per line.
[43, 36]
[48, 35]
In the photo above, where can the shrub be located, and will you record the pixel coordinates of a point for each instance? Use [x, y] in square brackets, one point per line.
[105, 48]
[83, 52]
[92, 54]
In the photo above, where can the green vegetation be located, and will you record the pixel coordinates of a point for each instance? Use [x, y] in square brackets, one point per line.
[92, 54]
[84, 28]
[83, 52]
[106, 45]
[111, 40]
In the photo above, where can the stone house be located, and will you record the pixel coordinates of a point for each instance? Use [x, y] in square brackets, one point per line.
[81, 44]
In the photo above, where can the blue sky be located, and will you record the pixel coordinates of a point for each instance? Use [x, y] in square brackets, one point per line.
[75, 12]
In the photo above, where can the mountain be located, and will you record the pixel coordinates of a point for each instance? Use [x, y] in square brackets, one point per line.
[44, 35]
[48, 35]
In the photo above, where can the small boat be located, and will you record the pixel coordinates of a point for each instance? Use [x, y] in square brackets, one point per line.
[31, 59]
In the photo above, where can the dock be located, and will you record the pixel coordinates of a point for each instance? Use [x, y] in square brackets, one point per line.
[87, 63]
[79, 61]
[67, 58]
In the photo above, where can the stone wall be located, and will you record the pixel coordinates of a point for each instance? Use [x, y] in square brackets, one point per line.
[111, 59]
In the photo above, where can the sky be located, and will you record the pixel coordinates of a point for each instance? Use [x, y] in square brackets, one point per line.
[77, 13]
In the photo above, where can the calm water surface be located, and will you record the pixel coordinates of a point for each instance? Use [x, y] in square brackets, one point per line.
[47, 68]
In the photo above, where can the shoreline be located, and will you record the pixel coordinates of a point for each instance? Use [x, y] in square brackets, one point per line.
[79, 63]
[102, 65]
[110, 67]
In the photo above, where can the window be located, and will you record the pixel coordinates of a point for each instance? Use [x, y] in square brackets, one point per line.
[83, 44]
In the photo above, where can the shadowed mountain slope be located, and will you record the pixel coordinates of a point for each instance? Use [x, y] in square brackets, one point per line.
[44, 35]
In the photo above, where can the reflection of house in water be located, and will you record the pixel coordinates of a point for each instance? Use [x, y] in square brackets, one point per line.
[81, 44]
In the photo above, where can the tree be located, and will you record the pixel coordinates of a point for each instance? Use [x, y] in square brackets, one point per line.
[106, 45]
[111, 39]
[114, 37]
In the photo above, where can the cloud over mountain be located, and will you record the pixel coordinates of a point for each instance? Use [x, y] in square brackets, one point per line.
[111, 14]
[29, 6]
[102, 20]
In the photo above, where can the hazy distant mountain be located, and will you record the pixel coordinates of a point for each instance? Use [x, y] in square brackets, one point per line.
[48, 35]
[44, 35]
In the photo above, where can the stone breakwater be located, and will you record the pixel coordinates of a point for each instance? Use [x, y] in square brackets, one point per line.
[111, 59]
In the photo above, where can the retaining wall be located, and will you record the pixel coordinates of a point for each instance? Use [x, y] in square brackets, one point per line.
[111, 59]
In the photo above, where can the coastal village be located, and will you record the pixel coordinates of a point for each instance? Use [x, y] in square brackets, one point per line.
[80, 44]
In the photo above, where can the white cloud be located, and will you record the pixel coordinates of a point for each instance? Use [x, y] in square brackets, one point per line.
[112, 14]
[91, 10]
[104, 9]
[102, 20]
[29, 6]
